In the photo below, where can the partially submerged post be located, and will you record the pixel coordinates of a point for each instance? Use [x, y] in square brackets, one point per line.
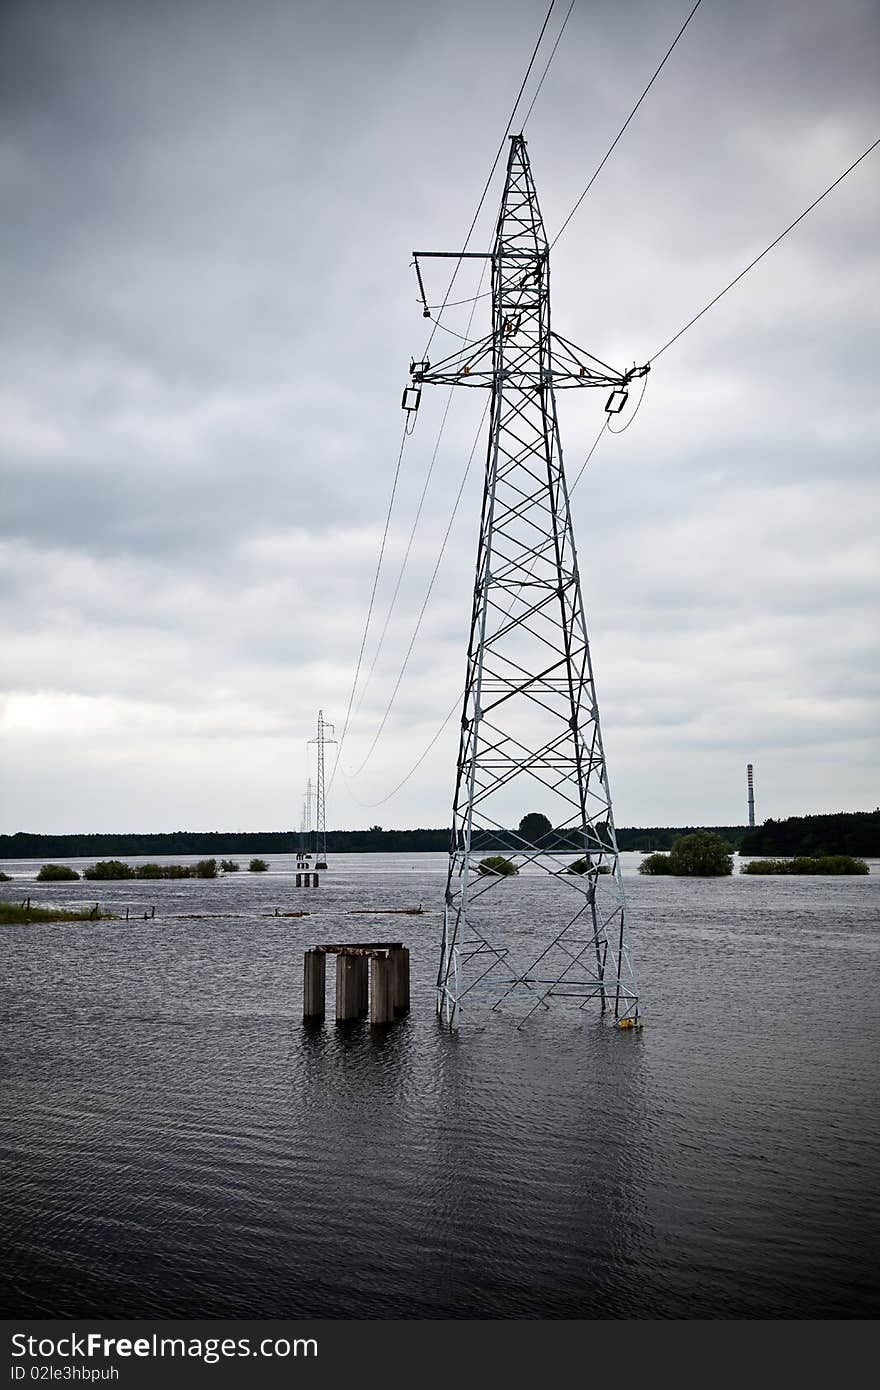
[382, 979]
[314, 978]
[351, 986]
[400, 961]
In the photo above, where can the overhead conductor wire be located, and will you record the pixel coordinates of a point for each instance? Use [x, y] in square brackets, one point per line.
[457, 705]
[767, 249]
[421, 615]
[498, 154]
[611, 147]
[415, 524]
[547, 65]
[430, 340]
[357, 672]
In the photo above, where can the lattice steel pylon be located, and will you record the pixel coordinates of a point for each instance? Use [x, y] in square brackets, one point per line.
[321, 796]
[305, 825]
[530, 722]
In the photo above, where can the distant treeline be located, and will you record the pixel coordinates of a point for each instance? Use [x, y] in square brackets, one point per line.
[664, 837]
[375, 840]
[844, 832]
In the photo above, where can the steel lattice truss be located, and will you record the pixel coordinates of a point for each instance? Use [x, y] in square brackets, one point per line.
[323, 738]
[530, 734]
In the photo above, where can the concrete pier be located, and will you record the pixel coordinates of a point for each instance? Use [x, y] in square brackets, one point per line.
[314, 985]
[306, 880]
[363, 986]
[400, 960]
[351, 987]
[382, 981]
[371, 976]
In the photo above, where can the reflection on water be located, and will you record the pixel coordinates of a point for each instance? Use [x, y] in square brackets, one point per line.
[177, 1143]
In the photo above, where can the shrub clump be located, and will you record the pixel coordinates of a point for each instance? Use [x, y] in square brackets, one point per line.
[821, 864]
[656, 864]
[258, 866]
[56, 873]
[583, 866]
[701, 855]
[109, 868]
[497, 864]
[115, 869]
[5, 878]
[229, 866]
[150, 871]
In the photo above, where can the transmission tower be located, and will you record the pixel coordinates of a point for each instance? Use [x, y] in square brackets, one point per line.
[321, 800]
[305, 825]
[750, 787]
[530, 722]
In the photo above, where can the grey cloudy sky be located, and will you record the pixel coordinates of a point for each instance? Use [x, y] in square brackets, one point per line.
[208, 316]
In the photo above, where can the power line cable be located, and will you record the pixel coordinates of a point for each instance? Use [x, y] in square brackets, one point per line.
[415, 767]
[468, 342]
[765, 252]
[458, 699]
[547, 65]
[457, 303]
[491, 173]
[357, 672]
[593, 447]
[406, 555]
[434, 326]
[611, 147]
[421, 615]
[418, 515]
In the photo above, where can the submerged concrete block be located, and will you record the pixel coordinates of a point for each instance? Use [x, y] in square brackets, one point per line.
[314, 984]
[382, 976]
[351, 986]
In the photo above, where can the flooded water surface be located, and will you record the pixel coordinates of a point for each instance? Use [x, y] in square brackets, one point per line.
[176, 1143]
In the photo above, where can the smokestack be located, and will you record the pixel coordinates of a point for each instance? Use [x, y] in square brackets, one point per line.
[751, 786]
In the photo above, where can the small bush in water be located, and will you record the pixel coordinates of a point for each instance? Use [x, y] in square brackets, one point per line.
[109, 868]
[497, 864]
[56, 873]
[825, 864]
[701, 855]
[583, 866]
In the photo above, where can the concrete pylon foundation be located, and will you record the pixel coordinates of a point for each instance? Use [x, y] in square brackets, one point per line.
[351, 987]
[382, 981]
[314, 985]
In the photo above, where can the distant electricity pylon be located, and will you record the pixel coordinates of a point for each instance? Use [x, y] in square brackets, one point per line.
[530, 722]
[750, 783]
[321, 811]
[305, 825]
